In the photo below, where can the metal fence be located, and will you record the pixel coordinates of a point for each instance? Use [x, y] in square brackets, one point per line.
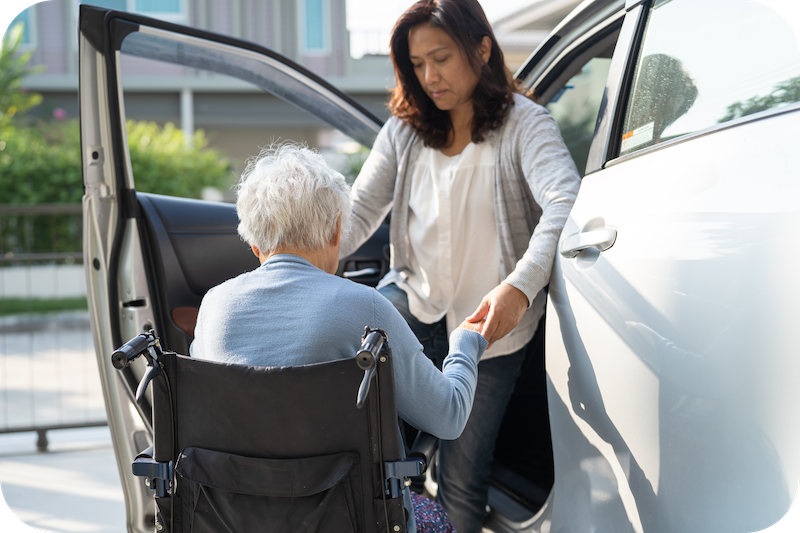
[48, 371]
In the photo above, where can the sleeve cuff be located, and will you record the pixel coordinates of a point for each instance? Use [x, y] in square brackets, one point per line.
[468, 342]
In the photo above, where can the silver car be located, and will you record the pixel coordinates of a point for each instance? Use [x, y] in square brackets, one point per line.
[661, 393]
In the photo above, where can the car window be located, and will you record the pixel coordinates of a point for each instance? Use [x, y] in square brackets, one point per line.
[195, 142]
[575, 106]
[703, 63]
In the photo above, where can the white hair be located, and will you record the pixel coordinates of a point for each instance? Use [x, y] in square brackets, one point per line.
[288, 197]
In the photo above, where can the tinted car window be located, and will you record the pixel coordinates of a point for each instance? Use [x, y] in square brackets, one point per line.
[706, 62]
[575, 107]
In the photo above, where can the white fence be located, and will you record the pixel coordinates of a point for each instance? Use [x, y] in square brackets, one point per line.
[42, 281]
[48, 369]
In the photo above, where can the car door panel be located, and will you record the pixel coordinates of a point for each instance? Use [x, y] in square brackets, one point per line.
[676, 328]
[193, 247]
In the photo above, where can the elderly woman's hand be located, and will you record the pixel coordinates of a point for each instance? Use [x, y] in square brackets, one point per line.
[500, 311]
[472, 326]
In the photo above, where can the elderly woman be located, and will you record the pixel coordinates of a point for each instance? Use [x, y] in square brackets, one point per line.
[291, 310]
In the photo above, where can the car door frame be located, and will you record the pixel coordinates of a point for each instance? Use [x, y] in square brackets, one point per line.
[117, 272]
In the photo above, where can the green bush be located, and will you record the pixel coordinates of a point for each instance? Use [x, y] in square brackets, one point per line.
[15, 306]
[163, 164]
[43, 165]
[353, 164]
[13, 67]
[40, 165]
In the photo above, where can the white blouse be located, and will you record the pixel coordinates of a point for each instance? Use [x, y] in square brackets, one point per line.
[454, 248]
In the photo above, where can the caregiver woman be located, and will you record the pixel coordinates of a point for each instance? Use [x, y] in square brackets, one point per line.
[480, 184]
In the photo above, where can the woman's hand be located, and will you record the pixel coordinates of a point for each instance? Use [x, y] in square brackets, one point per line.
[502, 309]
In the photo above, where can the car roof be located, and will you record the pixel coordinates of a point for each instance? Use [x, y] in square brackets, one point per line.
[584, 12]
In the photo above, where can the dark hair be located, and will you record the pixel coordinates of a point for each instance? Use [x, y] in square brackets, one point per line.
[465, 22]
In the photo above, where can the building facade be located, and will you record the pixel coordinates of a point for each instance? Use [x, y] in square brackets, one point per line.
[238, 118]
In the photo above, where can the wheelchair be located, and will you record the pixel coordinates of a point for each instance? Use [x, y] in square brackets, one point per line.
[310, 448]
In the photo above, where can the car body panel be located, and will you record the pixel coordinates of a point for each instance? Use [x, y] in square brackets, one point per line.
[669, 358]
[668, 354]
[679, 332]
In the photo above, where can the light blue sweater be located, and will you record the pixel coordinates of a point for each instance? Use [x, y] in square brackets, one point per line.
[288, 312]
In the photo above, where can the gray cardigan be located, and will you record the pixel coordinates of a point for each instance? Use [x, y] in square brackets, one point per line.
[535, 184]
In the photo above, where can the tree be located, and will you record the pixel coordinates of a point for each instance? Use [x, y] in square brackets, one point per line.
[14, 100]
[786, 92]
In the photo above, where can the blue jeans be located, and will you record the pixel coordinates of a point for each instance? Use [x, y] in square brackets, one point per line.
[464, 464]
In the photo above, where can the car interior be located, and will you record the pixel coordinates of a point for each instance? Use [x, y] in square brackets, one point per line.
[190, 246]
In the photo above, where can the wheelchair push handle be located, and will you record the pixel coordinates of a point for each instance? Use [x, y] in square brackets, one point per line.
[146, 344]
[371, 345]
[373, 342]
[132, 349]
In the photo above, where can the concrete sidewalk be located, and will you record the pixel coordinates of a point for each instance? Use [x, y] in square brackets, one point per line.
[73, 487]
[48, 376]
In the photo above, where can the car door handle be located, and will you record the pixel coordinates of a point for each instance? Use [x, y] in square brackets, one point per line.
[350, 274]
[602, 239]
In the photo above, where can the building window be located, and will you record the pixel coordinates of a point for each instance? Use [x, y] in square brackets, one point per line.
[119, 5]
[158, 6]
[169, 10]
[315, 26]
[28, 20]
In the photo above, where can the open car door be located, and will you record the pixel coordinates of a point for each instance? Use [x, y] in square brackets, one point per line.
[150, 258]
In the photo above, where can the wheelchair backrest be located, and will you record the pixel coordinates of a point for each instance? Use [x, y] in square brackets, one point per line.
[260, 449]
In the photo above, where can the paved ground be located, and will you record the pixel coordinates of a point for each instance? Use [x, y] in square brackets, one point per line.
[48, 375]
[74, 487]
[48, 370]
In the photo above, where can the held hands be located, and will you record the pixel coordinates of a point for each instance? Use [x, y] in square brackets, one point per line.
[473, 326]
[499, 312]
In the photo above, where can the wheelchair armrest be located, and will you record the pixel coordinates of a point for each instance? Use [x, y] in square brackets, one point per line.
[157, 474]
[424, 447]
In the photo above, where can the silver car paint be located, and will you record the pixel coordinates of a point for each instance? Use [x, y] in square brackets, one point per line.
[671, 364]
[100, 224]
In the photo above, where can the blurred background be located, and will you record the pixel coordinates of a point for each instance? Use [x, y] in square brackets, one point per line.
[189, 133]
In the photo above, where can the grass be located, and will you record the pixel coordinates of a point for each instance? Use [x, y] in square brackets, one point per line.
[16, 306]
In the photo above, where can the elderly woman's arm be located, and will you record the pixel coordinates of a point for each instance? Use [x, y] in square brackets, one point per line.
[436, 402]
